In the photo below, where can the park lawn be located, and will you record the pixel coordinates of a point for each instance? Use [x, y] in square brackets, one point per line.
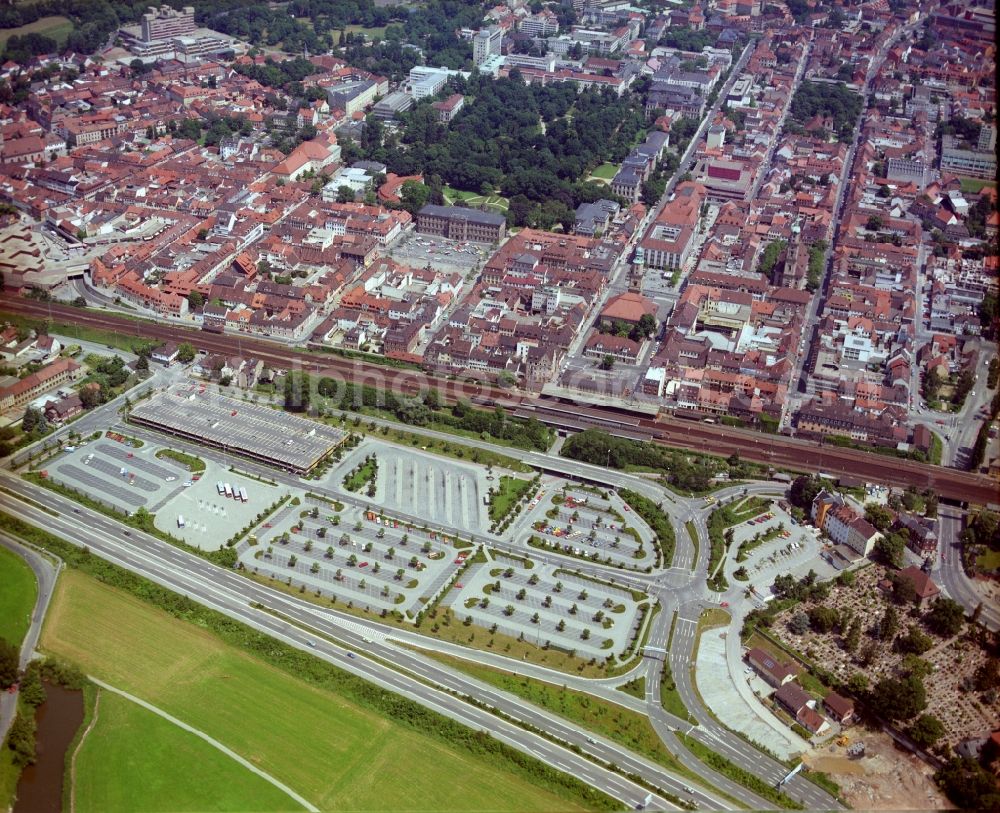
[133, 759]
[17, 597]
[605, 172]
[989, 561]
[371, 33]
[57, 27]
[452, 195]
[333, 752]
[502, 500]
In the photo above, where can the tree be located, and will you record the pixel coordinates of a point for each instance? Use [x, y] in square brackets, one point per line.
[195, 300]
[899, 699]
[297, 391]
[142, 364]
[903, 590]
[968, 785]
[914, 642]
[413, 196]
[185, 353]
[345, 194]
[853, 637]
[890, 549]
[804, 490]
[822, 619]
[9, 658]
[879, 516]
[799, 623]
[90, 397]
[946, 617]
[33, 420]
[926, 731]
[607, 362]
[889, 625]
[988, 676]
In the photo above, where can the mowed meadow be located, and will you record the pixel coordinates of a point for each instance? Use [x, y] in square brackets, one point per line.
[326, 748]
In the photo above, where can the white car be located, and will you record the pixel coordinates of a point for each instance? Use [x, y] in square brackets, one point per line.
[187, 484]
[171, 479]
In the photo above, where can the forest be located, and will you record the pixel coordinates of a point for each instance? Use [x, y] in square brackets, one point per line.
[531, 143]
[827, 99]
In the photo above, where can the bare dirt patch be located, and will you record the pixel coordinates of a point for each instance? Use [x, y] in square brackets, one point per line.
[886, 778]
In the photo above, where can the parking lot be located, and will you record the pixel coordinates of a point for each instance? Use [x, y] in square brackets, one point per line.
[546, 605]
[421, 250]
[121, 477]
[422, 485]
[366, 558]
[584, 524]
[775, 543]
[211, 518]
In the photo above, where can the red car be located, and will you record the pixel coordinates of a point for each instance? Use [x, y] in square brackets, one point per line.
[363, 564]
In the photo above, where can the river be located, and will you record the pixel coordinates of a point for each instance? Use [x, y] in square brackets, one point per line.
[39, 789]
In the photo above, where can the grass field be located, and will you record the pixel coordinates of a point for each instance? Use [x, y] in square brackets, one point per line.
[57, 27]
[17, 596]
[328, 749]
[452, 195]
[370, 33]
[605, 172]
[135, 760]
[974, 185]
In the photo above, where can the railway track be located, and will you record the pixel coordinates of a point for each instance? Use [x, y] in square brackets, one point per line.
[777, 450]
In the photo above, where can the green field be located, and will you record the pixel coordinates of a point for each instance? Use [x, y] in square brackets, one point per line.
[57, 27]
[17, 596]
[370, 33]
[133, 759]
[974, 185]
[332, 751]
[503, 500]
[452, 196]
[605, 172]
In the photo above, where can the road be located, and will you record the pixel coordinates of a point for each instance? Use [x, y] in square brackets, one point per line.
[949, 572]
[231, 593]
[45, 577]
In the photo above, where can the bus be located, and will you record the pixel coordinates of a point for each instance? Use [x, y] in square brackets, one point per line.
[229, 490]
[222, 488]
[243, 495]
[180, 520]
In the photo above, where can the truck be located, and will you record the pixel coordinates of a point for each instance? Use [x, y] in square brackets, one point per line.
[180, 520]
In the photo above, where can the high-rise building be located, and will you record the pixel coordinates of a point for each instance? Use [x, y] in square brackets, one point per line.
[166, 22]
[485, 44]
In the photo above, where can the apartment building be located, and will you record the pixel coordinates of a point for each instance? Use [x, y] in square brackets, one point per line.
[53, 375]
